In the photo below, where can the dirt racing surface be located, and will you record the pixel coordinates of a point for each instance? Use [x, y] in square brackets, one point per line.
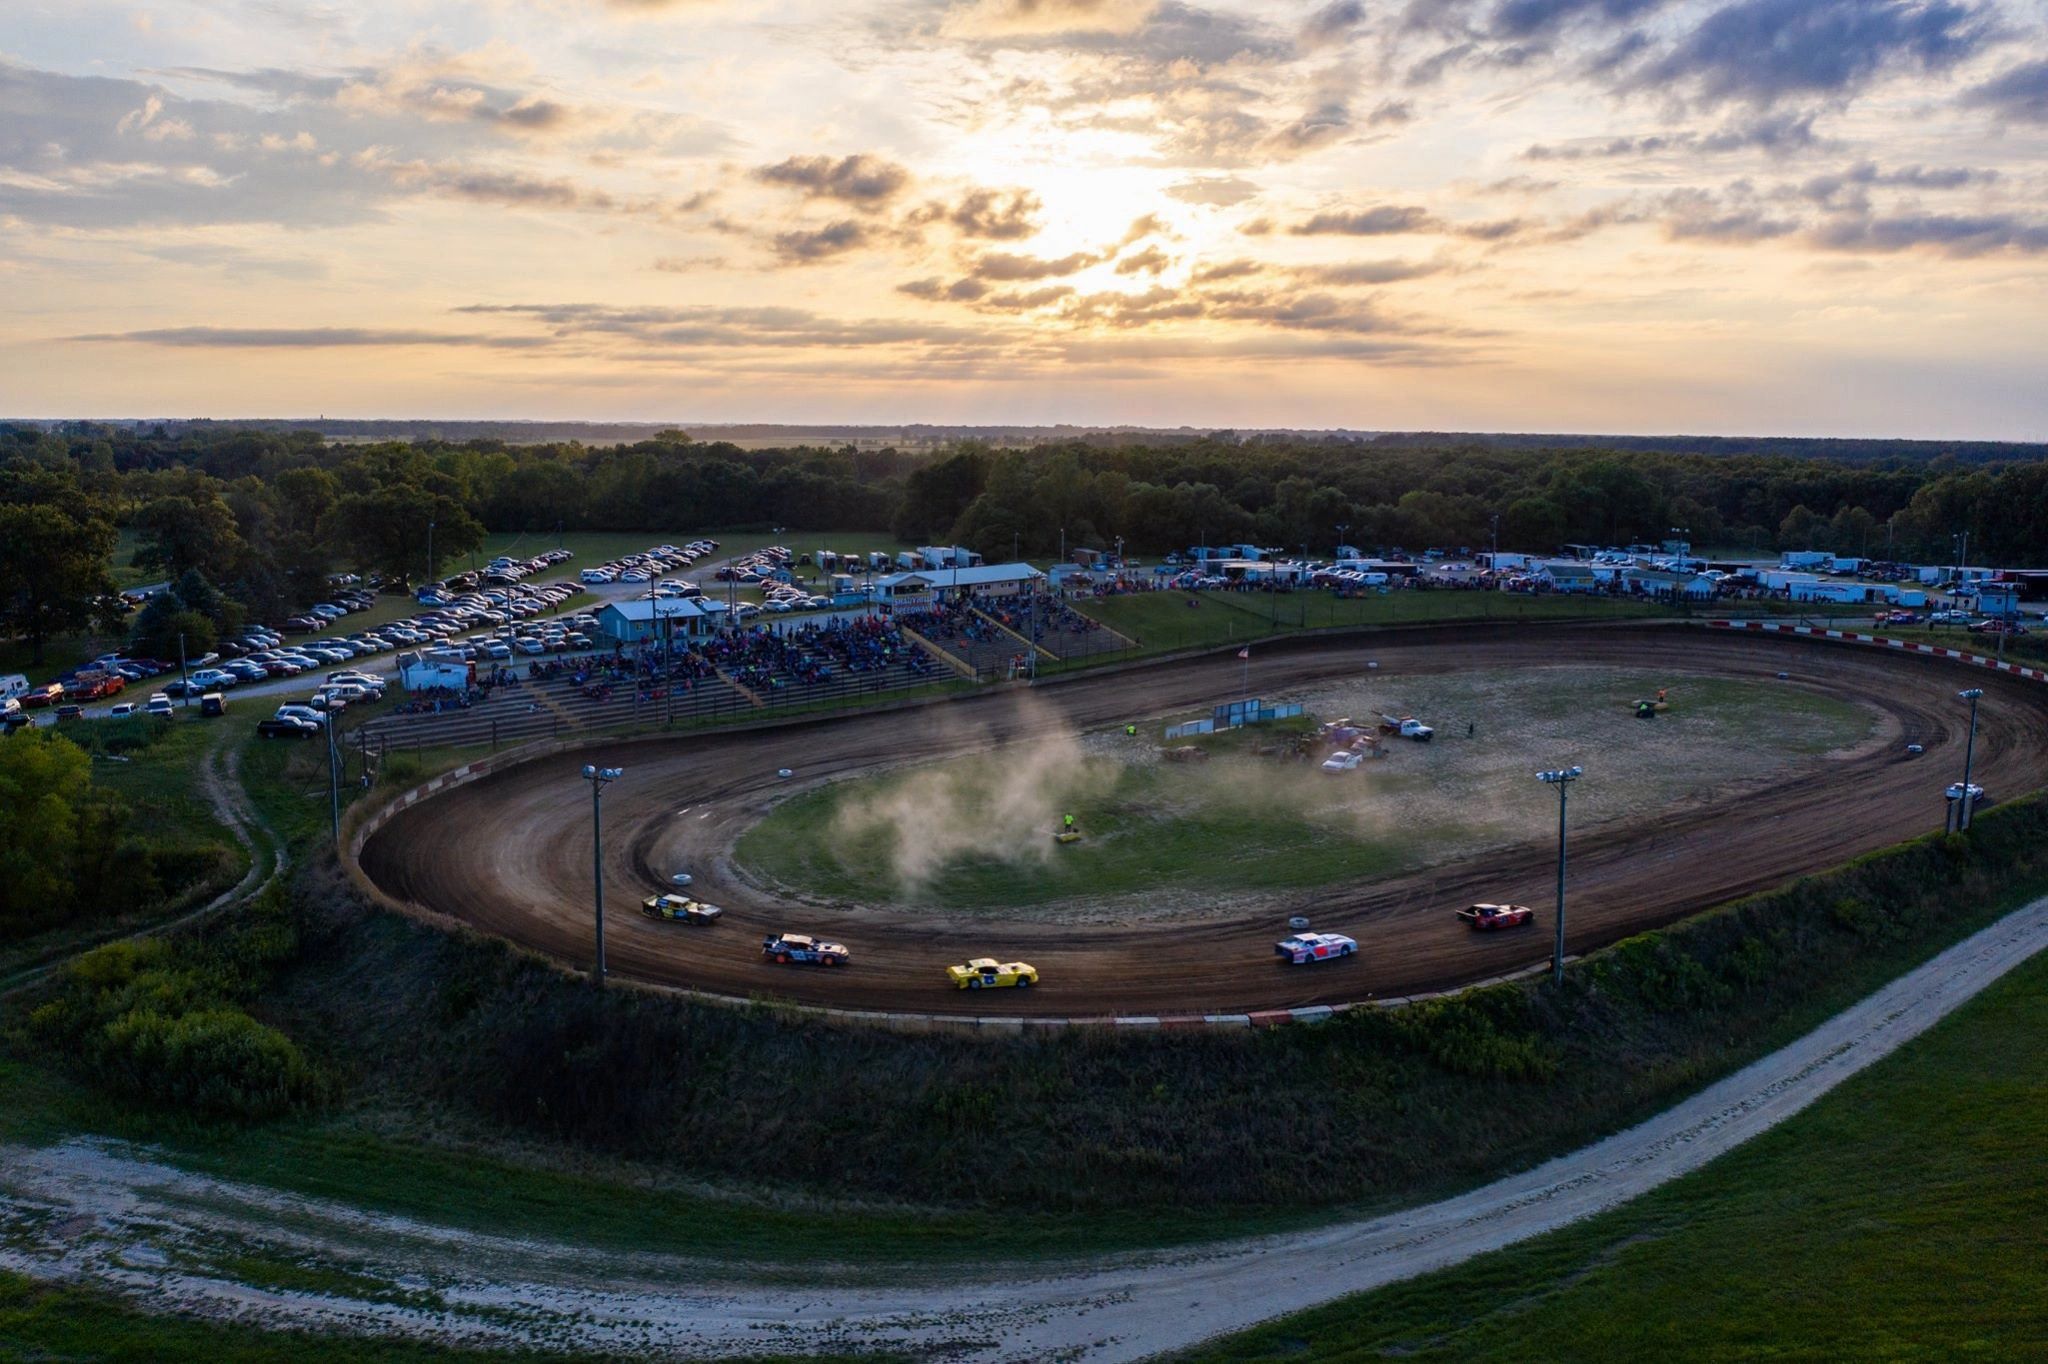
[511, 853]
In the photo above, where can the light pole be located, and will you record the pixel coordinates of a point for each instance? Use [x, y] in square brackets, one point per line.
[430, 551]
[1973, 695]
[1561, 778]
[599, 778]
[1343, 527]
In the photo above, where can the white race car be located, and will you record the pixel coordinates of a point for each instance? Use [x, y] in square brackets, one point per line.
[1307, 947]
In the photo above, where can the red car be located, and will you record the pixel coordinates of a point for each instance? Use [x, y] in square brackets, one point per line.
[1487, 917]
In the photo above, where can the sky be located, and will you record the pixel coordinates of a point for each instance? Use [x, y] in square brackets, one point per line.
[1730, 216]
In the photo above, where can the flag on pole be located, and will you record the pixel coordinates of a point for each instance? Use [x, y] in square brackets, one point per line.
[1245, 653]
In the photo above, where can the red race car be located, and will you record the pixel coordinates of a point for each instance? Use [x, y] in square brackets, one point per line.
[1483, 917]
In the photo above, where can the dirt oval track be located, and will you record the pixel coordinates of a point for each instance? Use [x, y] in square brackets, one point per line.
[510, 853]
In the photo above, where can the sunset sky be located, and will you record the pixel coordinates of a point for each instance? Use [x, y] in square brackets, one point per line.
[1782, 216]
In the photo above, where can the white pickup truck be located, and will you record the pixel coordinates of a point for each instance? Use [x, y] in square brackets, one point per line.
[1408, 727]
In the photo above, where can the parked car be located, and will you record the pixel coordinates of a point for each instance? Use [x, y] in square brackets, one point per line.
[159, 705]
[213, 704]
[1484, 917]
[803, 949]
[214, 679]
[121, 710]
[1300, 948]
[986, 973]
[70, 712]
[1342, 761]
[287, 727]
[48, 694]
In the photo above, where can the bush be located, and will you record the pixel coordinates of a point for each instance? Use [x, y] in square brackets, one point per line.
[162, 1021]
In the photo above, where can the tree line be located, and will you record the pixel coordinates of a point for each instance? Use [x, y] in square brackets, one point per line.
[249, 523]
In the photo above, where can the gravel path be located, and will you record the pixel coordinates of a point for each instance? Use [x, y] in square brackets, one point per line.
[116, 1215]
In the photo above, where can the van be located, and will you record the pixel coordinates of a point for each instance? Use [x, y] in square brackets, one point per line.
[213, 704]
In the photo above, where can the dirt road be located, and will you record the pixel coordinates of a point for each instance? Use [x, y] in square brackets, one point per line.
[511, 853]
[114, 1215]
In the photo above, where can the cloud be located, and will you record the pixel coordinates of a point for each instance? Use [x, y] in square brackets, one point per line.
[1241, 268]
[1332, 23]
[995, 19]
[1382, 220]
[995, 215]
[2019, 94]
[1367, 271]
[1694, 215]
[804, 245]
[1028, 299]
[1778, 133]
[1761, 51]
[933, 288]
[713, 327]
[1849, 188]
[1949, 234]
[283, 338]
[1530, 18]
[1150, 261]
[1008, 266]
[863, 180]
[1213, 191]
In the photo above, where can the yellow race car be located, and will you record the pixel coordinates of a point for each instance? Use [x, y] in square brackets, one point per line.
[986, 973]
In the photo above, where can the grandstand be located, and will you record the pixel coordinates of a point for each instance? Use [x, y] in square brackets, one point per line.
[738, 673]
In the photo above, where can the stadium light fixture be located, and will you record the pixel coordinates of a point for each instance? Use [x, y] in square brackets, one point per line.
[599, 778]
[1561, 778]
[1963, 808]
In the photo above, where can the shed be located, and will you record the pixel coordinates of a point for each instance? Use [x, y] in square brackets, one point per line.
[635, 619]
[435, 670]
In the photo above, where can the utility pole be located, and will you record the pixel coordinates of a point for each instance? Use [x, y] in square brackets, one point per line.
[1561, 778]
[333, 783]
[430, 550]
[1963, 806]
[184, 682]
[598, 777]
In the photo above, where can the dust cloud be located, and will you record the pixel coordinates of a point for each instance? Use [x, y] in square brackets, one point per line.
[1004, 806]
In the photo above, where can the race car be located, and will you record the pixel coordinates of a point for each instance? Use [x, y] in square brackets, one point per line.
[986, 973]
[802, 948]
[1307, 947]
[679, 907]
[1482, 917]
[1955, 792]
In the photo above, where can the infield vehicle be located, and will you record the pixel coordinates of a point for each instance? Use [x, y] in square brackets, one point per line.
[803, 949]
[1301, 948]
[1484, 918]
[679, 907]
[986, 973]
[1341, 761]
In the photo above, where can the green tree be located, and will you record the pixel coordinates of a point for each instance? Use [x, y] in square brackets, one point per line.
[43, 779]
[55, 546]
[189, 531]
[386, 529]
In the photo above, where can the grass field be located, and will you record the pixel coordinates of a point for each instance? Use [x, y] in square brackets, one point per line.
[1163, 621]
[1901, 1217]
[975, 834]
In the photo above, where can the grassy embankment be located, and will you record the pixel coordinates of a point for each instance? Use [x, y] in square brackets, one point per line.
[1899, 1218]
[155, 767]
[1076, 1142]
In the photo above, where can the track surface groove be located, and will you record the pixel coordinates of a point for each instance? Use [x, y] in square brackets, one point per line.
[510, 853]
